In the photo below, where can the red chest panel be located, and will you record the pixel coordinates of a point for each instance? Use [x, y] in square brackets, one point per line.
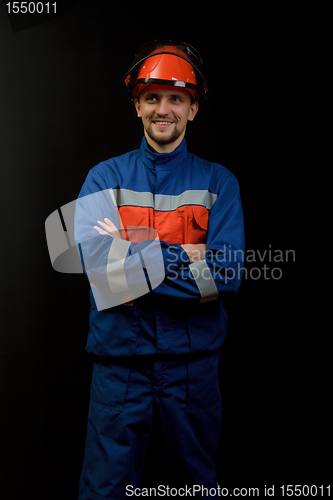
[186, 224]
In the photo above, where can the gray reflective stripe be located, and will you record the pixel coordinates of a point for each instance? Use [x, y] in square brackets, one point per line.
[204, 198]
[204, 280]
[133, 198]
[164, 202]
[115, 268]
[112, 194]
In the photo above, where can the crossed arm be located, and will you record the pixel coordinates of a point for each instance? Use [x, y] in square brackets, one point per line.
[195, 252]
[113, 257]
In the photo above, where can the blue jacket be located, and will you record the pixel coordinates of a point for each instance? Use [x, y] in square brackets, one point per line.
[186, 200]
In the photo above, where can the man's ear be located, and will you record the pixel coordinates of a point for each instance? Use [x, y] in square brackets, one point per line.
[193, 110]
[137, 107]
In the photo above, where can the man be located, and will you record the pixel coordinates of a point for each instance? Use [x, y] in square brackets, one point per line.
[160, 234]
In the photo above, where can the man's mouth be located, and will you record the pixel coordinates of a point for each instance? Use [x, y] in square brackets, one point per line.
[162, 123]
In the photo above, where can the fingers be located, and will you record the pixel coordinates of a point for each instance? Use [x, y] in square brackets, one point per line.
[109, 228]
[101, 231]
[108, 225]
[195, 251]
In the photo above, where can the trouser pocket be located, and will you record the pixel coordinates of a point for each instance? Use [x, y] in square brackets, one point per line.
[109, 384]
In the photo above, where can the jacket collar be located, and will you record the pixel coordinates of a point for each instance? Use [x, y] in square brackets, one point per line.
[163, 160]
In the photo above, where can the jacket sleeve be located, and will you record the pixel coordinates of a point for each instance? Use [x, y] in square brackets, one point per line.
[118, 269]
[220, 272]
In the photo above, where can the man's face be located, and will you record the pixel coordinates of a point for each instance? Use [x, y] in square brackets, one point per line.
[165, 111]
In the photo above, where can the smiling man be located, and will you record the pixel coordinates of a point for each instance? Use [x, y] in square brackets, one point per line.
[165, 112]
[157, 355]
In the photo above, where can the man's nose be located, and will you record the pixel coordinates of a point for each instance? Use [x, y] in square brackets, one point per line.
[162, 107]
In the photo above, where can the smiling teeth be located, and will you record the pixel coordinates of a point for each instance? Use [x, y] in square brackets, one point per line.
[163, 123]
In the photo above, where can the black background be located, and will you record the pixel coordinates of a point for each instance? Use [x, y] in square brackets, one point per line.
[62, 111]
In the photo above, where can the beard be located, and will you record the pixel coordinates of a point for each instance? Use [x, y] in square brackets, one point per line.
[164, 139]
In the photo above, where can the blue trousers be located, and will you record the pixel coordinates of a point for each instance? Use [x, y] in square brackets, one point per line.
[123, 394]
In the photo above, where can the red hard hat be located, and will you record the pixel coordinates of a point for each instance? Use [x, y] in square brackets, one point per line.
[167, 63]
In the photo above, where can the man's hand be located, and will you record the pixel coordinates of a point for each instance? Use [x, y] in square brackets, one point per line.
[109, 228]
[195, 252]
